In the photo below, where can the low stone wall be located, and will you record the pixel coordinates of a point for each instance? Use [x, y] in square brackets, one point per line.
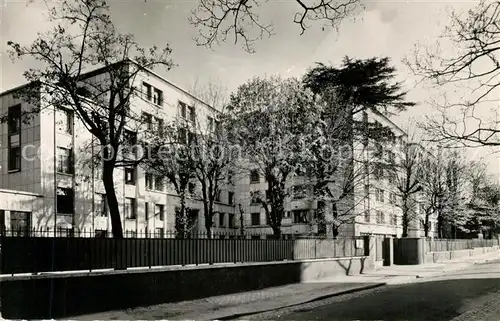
[444, 256]
[65, 295]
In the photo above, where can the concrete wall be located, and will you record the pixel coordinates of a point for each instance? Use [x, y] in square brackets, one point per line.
[444, 256]
[60, 296]
[412, 251]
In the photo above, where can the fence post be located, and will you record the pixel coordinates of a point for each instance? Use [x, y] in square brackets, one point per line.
[315, 249]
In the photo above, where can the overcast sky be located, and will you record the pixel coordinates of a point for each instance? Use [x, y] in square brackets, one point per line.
[385, 28]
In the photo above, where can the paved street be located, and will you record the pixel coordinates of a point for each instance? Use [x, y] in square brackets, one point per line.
[470, 294]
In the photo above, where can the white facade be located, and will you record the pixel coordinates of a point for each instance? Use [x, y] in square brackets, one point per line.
[42, 138]
[40, 141]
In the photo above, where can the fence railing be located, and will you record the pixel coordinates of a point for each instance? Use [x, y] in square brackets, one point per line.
[33, 254]
[440, 245]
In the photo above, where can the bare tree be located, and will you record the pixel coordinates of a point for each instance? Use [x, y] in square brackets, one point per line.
[218, 20]
[471, 66]
[406, 172]
[84, 36]
[433, 189]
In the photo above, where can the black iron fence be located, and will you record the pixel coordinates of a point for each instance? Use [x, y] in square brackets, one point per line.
[38, 252]
[440, 245]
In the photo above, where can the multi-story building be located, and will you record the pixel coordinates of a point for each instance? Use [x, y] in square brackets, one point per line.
[48, 178]
[372, 208]
[48, 174]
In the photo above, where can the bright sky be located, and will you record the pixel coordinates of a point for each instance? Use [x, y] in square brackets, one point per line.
[385, 28]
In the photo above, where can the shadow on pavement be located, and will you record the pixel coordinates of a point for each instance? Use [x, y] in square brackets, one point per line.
[431, 300]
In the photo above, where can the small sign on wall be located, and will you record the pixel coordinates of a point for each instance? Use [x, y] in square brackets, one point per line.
[360, 243]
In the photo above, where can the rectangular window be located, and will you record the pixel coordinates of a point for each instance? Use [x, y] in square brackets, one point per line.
[230, 218]
[159, 183]
[147, 91]
[392, 178]
[65, 160]
[14, 158]
[159, 126]
[146, 211]
[14, 120]
[158, 97]
[182, 133]
[210, 124]
[160, 211]
[254, 176]
[64, 120]
[394, 219]
[255, 218]
[299, 217]
[230, 198]
[20, 223]
[147, 119]
[367, 217]
[130, 208]
[192, 114]
[103, 205]
[182, 109]
[129, 175]
[65, 201]
[221, 220]
[378, 171]
[129, 138]
[380, 217]
[299, 192]
[191, 138]
[101, 233]
[149, 181]
[254, 200]
[379, 195]
[217, 196]
[392, 198]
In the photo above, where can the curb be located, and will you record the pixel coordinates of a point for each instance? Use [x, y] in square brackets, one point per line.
[318, 298]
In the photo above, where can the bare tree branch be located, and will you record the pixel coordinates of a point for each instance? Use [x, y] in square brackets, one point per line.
[217, 20]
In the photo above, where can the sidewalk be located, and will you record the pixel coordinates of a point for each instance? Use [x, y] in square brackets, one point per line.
[241, 304]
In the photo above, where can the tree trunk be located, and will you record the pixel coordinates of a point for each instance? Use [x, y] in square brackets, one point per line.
[114, 210]
[321, 217]
[335, 230]
[440, 226]
[404, 217]
[208, 227]
[181, 219]
[276, 232]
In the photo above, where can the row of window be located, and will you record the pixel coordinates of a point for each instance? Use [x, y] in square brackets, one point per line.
[14, 145]
[299, 217]
[381, 218]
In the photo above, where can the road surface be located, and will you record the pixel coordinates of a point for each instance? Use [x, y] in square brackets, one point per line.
[471, 294]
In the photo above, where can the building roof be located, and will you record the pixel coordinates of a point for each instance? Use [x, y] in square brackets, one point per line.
[103, 69]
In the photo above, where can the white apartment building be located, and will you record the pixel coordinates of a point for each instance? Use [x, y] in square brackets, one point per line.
[52, 154]
[372, 209]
